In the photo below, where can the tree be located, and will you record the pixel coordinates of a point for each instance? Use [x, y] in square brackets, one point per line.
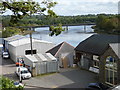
[107, 24]
[6, 83]
[25, 8]
[101, 21]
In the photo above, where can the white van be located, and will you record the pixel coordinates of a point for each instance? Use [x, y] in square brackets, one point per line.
[24, 72]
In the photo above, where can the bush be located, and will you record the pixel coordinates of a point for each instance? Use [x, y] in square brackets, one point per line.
[6, 83]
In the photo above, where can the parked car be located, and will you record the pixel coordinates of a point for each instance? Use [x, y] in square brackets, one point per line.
[5, 55]
[24, 72]
[116, 88]
[17, 84]
[97, 86]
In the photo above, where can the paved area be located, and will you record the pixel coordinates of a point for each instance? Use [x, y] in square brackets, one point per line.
[7, 68]
[67, 78]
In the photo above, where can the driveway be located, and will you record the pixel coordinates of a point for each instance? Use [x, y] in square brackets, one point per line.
[67, 78]
[7, 68]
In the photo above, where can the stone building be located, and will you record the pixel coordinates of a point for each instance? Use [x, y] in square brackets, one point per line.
[109, 65]
[98, 54]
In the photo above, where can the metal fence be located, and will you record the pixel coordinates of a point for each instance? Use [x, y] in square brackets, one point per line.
[47, 67]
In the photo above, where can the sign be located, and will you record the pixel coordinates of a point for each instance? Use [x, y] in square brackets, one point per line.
[93, 69]
[95, 57]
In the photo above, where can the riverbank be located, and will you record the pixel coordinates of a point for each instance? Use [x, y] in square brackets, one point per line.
[100, 31]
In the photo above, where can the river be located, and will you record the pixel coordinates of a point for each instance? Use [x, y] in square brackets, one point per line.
[73, 36]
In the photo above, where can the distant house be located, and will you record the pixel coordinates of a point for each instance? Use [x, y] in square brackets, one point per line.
[94, 54]
[64, 52]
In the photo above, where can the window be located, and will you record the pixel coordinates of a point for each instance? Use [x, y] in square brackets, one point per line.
[111, 71]
[27, 52]
[95, 61]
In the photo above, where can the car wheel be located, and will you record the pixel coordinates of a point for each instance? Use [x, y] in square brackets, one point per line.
[23, 78]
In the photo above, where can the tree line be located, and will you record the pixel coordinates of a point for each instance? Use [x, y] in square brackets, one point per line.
[109, 24]
[105, 23]
[35, 20]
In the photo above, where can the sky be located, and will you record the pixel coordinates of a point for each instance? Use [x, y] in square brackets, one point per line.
[83, 7]
[78, 7]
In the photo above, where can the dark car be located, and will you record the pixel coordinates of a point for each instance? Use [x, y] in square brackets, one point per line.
[97, 86]
[5, 53]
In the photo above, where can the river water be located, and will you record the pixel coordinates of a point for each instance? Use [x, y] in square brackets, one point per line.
[73, 36]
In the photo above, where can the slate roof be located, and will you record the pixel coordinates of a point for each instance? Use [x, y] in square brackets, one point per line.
[97, 43]
[54, 50]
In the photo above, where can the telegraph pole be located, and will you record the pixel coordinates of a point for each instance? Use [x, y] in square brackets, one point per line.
[31, 43]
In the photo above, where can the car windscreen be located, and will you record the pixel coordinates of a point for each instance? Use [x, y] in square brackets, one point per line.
[25, 71]
[6, 54]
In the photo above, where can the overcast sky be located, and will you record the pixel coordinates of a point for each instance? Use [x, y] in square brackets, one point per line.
[80, 7]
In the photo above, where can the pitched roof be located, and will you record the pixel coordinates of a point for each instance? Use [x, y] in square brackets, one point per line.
[97, 43]
[26, 41]
[115, 47]
[13, 38]
[54, 50]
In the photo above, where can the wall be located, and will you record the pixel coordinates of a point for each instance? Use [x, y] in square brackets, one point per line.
[12, 51]
[6, 44]
[28, 62]
[20, 50]
[84, 60]
[67, 51]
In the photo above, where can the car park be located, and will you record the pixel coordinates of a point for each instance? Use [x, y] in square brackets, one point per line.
[23, 72]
